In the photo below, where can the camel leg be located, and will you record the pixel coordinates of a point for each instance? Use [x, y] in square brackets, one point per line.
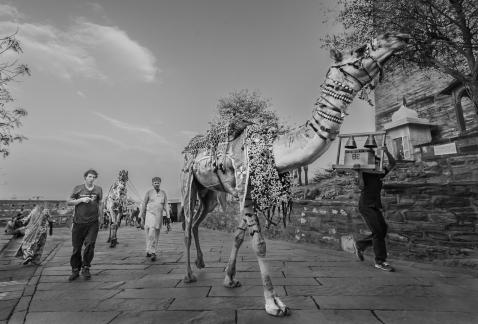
[229, 281]
[208, 203]
[109, 229]
[189, 203]
[113, 229]
[274, 306]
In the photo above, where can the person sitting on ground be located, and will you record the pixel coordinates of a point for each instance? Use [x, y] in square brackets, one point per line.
[16, 226]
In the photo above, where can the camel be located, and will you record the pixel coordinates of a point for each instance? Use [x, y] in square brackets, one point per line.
[115, 204]
[204, 179]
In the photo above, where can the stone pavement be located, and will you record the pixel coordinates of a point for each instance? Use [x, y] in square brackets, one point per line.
[319, 285]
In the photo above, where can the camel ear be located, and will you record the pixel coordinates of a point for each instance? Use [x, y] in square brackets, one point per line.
[336, 55]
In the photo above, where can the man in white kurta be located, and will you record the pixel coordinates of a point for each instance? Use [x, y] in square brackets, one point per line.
[155, 202]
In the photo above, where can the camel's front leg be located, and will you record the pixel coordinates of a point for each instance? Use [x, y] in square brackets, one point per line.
[274, 306]
[229, 281]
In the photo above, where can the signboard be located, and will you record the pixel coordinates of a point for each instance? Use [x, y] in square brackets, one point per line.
[444, 149]
[363, 157]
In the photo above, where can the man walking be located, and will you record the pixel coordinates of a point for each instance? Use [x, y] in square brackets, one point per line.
[155, 202]
[88, 207]
[370, 205]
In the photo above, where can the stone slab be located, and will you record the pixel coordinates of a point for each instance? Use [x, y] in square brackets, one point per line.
[308, 317]
[215, 303]
[196, 317]
[90, 294]
[397, 303]
[70, 317]
[168, 292]
[134, 305]
[220, 291]
[360, 288]
[429, 317]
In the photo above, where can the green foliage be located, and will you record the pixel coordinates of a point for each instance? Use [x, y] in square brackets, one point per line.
[444, 34]
[9, 118]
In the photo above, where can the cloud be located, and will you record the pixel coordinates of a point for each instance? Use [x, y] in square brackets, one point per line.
[95, 7]
[10, 11]
[133, 128]
[81, 94]
[84, 49]
[88, 137]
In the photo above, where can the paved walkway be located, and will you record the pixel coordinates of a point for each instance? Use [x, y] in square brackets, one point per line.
[319, 285]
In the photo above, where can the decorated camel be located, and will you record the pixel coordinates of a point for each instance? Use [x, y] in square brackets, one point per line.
[227, 164]
[115, 205]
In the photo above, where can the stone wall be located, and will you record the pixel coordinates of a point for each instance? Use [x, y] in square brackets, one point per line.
[59, 211]
[431, 208]
[421, 92]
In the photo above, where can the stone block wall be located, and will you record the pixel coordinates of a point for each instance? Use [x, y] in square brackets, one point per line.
[421, 92]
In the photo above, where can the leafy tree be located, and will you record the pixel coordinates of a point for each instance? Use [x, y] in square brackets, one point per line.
[244, 107]
[10, 71]
[444, 33]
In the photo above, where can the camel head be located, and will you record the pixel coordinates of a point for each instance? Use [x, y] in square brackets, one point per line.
[351, 72]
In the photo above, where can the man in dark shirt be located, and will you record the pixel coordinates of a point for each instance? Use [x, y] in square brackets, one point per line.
[88, 207]
[370, 205]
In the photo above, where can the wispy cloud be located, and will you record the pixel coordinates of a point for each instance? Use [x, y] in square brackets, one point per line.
[10, 11]
[99, 137]
[143, 130]
[84, 49]
[95, 7]
[81, 94]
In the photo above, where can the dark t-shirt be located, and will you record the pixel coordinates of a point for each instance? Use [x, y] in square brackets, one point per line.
[87, 212]
[372, 187]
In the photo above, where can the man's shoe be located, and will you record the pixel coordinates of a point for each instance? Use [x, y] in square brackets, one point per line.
[74, 275]
[85, 272]
[358, 252]
[384, 266]
[148, 254]
[153, 256]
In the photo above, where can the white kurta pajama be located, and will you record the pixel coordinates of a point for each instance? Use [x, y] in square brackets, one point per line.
[156, 203]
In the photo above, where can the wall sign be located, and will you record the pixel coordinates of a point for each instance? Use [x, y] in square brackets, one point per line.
[444, 149]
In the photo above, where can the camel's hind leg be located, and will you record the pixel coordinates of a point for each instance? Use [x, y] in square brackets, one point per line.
[208, 201]
[189, 202]
[239, 234]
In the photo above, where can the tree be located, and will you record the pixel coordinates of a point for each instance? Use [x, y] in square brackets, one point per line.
[10, 71]
[444, 33]
[244, 107]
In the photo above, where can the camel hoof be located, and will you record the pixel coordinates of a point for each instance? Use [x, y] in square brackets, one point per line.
[189, 278]
[232, 283]
[200, 263]
[277, 308]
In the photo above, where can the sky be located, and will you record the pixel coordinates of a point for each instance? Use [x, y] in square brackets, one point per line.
[126, 84]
